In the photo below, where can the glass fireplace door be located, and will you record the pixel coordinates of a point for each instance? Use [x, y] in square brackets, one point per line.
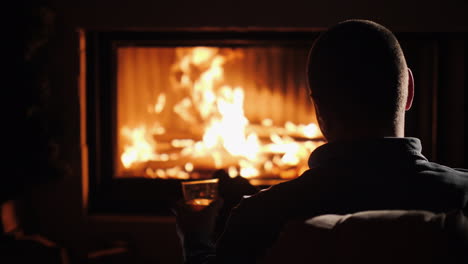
[183, 112]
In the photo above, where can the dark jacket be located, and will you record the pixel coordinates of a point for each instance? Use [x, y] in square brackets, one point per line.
[344, 177]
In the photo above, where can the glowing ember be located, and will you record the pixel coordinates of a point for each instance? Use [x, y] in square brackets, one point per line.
[221, 136]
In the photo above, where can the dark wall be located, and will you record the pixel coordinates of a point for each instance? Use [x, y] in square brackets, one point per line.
[399, 15]
[439, 65]
[62, 205]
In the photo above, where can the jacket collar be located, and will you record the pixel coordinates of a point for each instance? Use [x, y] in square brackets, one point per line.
[388, 149]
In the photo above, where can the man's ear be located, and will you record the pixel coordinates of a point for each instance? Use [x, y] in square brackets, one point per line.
[409, 99]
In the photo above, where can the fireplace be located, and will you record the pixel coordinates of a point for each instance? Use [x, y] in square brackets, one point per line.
[183, 112]
[168, 106]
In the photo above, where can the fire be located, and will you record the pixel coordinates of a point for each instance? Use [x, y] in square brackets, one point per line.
[226, 139]
[141, 148]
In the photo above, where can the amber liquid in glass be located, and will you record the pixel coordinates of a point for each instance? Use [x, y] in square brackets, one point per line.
[199, 204]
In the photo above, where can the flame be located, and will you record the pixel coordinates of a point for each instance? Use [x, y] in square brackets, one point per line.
[232, 171]
[188, 166]
[140, 149]
[160, 103]
[227, 137]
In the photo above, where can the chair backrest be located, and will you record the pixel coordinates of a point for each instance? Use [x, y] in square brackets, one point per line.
[375, 237]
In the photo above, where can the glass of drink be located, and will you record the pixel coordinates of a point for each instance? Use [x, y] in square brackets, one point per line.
[199, 194]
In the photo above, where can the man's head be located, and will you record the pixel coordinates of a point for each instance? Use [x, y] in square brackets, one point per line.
[359, 81]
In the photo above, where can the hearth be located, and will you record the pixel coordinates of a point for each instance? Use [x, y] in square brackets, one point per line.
[168, 106]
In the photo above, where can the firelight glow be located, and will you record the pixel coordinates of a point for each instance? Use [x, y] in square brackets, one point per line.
[228, 139]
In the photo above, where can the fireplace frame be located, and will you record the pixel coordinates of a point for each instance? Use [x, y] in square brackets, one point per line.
[107, 194]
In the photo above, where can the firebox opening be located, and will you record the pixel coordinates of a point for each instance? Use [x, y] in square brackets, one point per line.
[185, 111]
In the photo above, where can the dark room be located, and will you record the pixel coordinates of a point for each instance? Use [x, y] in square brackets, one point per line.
[152, 131]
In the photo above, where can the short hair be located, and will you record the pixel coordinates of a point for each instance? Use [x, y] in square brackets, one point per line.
[357, 73]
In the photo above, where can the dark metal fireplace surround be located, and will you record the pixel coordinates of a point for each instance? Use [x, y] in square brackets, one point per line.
[111, 195]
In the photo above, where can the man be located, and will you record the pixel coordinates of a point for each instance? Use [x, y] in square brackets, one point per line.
[361, 88]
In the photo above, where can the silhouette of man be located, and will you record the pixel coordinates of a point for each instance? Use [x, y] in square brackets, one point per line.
[361, 88]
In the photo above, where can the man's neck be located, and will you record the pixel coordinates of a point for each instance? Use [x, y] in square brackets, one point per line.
[362, 134]
[366, 131]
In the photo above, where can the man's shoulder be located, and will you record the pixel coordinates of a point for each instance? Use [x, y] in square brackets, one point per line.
[451, 181]
[436, 168]
[281, 193]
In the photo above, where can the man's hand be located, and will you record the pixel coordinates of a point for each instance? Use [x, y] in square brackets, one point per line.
[196, 230]
[193, 224]
[231, 190]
